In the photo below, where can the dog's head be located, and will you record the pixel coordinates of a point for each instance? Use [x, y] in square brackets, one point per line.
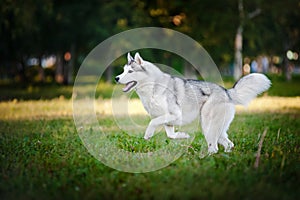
[134, 72]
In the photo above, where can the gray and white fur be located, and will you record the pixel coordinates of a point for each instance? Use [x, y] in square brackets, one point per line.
[173, 101]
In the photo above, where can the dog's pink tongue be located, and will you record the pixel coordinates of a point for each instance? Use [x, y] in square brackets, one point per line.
[128, 86]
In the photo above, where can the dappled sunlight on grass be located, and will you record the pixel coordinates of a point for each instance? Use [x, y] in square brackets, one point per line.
[41, 109]
[60, 107]
[272, 104]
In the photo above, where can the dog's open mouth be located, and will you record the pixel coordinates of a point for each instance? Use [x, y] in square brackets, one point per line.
[129, 85]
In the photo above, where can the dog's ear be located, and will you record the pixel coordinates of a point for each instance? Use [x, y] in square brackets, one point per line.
[129, 57]
[138, 59]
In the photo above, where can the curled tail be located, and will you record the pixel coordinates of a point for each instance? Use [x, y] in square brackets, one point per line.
[248, 87]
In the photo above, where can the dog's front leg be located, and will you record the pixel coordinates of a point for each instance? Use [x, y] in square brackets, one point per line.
[154, 123]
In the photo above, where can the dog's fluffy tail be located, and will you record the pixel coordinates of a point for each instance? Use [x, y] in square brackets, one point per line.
[248, 87]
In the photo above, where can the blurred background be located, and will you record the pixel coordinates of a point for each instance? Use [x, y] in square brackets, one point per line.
[43, 42]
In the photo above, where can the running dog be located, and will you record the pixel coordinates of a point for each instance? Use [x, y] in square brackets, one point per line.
[173, 101]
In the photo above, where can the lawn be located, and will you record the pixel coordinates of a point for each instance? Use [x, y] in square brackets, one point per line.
[43, 157]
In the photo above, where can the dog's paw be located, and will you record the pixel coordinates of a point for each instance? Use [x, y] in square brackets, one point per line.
[227, 144]
[180, 135]
[147, 137]
[229, 147]
[212, 149]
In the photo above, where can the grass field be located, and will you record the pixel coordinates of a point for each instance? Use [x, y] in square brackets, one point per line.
[42, 156]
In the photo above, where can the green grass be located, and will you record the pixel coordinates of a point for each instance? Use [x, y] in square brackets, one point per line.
[45, 159]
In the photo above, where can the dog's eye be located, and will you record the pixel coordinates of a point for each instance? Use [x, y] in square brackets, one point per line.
[130, 71]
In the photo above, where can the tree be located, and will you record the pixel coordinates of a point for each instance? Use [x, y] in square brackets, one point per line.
[37, 28]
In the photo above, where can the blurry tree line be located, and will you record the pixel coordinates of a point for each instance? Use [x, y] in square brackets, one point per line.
[68, 30]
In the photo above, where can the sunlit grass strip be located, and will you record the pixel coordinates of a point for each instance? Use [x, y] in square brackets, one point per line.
[41, 109]
[272, 104]
[61, 108]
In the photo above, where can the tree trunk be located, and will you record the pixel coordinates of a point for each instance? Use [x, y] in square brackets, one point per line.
[238, 58]
[59, 72]
[286, 64]
[287, 69]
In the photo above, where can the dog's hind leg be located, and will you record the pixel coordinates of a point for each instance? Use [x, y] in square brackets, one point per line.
[210, 127]
[214, 122]
[175, 135]
[228, 117]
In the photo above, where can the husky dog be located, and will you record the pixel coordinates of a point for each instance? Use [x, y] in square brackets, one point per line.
[173, 101]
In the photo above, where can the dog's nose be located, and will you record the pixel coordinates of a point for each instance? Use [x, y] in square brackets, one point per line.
[117, 79]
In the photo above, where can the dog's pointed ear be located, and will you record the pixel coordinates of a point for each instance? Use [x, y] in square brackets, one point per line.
[138, 59]
[129, 57]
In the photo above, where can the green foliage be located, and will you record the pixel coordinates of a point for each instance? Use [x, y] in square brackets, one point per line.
[37, 28]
